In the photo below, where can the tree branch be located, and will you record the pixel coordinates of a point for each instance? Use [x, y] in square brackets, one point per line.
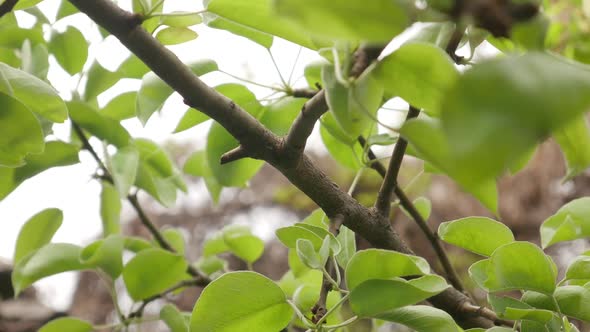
[162, 242]
[383, 203]
[7, 6]
[417, 217]
[260, 142]
[197, 282]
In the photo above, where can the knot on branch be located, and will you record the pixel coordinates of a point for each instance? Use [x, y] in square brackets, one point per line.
[496, 16]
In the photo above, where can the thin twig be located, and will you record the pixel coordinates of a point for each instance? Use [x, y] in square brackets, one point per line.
[454, 42]
[487, 313]
[417, 217]
[7, 6]
[383, 203]
[233, 155]
[185, 283]
[132, 198]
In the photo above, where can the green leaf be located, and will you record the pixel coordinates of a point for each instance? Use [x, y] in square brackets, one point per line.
[56, 153]
[427, 139]
[123, 167]
[354, 106]
[106, 254]
[198, 165]
[510, 308]
[35, 94]
[176, 239]
[241, 301]
[143, 280]
[347, 240]
[313, 72]
[154, 92]
[259, 37]
[574, 140]
[35, 59]
[570, 222]
[290, 234]
[174, 35]
[340, 146]
[173, 318]
[242, 243]
[122, 107]
[214, 244]
[574, 301]
[37, 232]
[26, 4]
[259, 15]
[515, 266]
[307, 254]
[419, 73]
[69, 324]
[98, 125]
[191, 118]
[99, 80]
[211, 264]
[422, 318]
[279, 116]
[219, 141]
[50, 259]
[21, 132]
[180, 19]
[382, 264]
[110, 209]
[70, 49]
[296, 266]
[11, 36]
[374, 297]
[480, 235]
[377, 21]
[579, 268]
[65, 9]
[136, 244]
[132, 67]
[525, 98]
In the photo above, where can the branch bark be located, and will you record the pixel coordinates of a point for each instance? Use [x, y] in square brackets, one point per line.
[7, 6]
[260, 142]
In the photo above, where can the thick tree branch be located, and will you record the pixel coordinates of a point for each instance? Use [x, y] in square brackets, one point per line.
[260, 142]
[7, 6]
[383, 203]
[132, 199]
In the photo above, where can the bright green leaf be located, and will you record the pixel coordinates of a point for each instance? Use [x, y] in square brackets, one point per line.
[99, 80]
[579, 268]
[574, 141]
[121, 107]
[123, 167]
[70, 49]
[347, 240]
[132, 67]
[249, 302]
[259, 37]
[242, 243]
[180, 19]
[422, 318]
[175, 239]
[173, 318]
[110, 209]
[290, 234]
[382, 264]
[377, 296]
[69, 324]
[198, 165]
[420, 73]
[279, 116]
[570, 222]
[106, 254]
[174, 35]
[37, 232]
[35, 59]
[50, 259]
[143, 280]
[480, 235]
[191, 118]
[574, 301]
[98, 125]
[308, 255]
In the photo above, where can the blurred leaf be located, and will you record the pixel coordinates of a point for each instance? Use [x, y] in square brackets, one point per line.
[574, 301]
[226, 305]
[579, 268]
[217, 22]
[480, 235]
[377, 21]
[65, 9]
[106, 254]
[143, 281]
[69, 324]
[419, 73]
[197, 165]
[56, 154]
[132, 67]
[279, 116]
[570, 222]
[175, 238]
[242, 243]
[180, 19]
[123, 167]
[122, 107]
[574, 140]
[259, 15]
[99, 80]
[382, 264]
[175, 35]
[333, 137]
[98, 125]
[173, 318]
[191, 118]
[37, 232]
[110, 209]
[21, 132]
[35, 59]
[70, 49]
[35, 94]
[347, 240]
[50, 259]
